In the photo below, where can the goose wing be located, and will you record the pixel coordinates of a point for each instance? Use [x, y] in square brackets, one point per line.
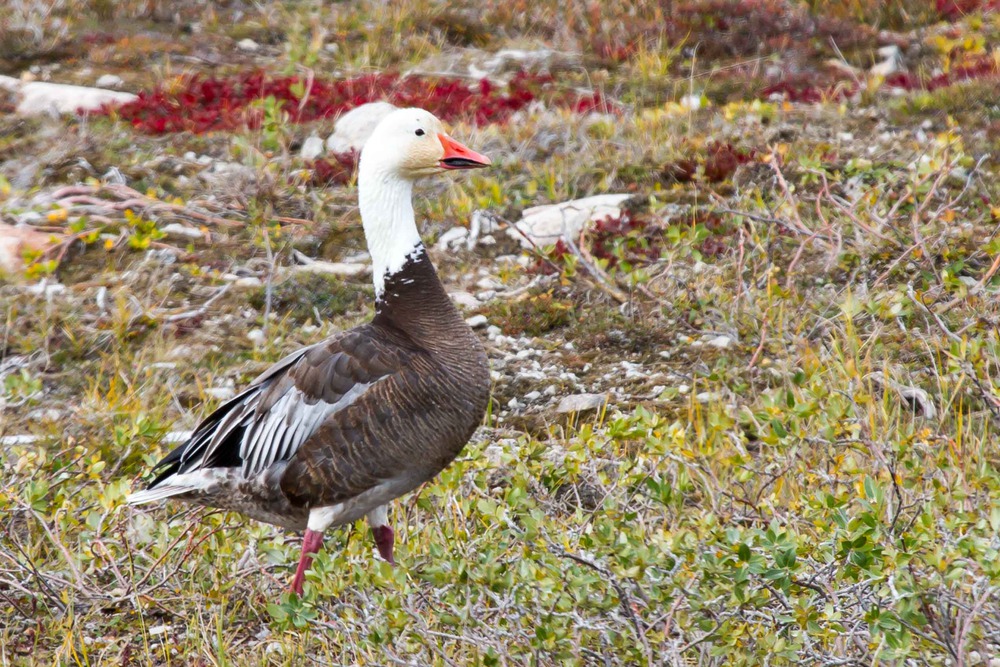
[270, 420]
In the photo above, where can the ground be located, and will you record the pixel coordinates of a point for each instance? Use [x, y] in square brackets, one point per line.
[793, 323]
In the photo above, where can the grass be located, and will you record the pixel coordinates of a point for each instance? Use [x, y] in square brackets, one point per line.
[796, 330]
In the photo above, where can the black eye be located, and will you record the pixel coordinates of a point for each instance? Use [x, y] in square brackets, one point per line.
[420, 133]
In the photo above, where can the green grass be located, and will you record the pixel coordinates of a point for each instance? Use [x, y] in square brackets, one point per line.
[782, 497]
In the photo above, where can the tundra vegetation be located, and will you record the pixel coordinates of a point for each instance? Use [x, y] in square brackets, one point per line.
[793, 323]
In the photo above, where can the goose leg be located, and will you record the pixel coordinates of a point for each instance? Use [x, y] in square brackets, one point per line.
[311, 544]
[378, 519]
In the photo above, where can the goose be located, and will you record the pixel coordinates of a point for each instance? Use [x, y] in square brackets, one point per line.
[334, 431]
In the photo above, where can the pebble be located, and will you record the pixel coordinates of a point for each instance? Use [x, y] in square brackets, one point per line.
[477, 321]
[551, 390]
[465, 300]
[333, 268]
[256, 336]
[721, 342]
[177, 229]
[451, 238]
[109, 81]
[581, 402]
[513, 404]
[706, 396]
[220, 393]
[247, 44]
[533, 396]
[248, 282]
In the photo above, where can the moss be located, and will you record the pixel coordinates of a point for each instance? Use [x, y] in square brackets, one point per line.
[533, 315]
[302, 295]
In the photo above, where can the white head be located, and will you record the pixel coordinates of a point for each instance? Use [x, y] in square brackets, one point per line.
[406, 145]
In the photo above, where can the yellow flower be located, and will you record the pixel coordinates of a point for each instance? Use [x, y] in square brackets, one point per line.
[59, 215]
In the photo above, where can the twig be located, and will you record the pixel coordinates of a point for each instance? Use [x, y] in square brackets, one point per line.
[624, 598]
[201, 310]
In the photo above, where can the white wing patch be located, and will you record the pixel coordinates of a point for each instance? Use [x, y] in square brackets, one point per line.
[277, 434]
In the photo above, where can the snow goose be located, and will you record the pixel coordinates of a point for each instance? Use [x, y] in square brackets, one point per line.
[334, 431]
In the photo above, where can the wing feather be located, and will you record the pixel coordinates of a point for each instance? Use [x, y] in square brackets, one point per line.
[285, 406]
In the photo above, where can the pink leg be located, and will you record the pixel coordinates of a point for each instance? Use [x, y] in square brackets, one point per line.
[383, 540]
[311, 543]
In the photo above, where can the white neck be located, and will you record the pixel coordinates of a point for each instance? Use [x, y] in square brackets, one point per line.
[386, 203]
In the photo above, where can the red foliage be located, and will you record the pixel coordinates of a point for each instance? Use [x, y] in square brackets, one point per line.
[334, 171]
[952, 10]
[805, 89]
[982, 67]
[203, 104]
[721, 161]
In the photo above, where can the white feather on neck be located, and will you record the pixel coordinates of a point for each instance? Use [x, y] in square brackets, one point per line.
[386, 203]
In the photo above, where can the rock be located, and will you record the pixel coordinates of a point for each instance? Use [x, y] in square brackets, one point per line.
[334, 268]
[220, 393]
[464, 300]
[256, 336]
[451, 238]
[891, 61]
[917, 398]
[352, 130]
[706, 397]
[16, 240]
[45, 415]
[114, 176]
[34, 98]
[13, 440]
[721, 342]
[544, 225]
[581, 403]
[477, 321]
[532, 396]
[247, 282]
[109, 81]
[181, 231]
[312, 148]
[248, 45]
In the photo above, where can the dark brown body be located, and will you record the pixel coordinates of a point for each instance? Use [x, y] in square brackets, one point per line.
[399, 399]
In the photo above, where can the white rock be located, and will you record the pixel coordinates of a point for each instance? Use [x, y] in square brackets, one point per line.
[691, 102]
[247, 44]
[533, 396]
[44, 415]
[109, 81]
[464, 300]
[157, 630]
[334, 268]
[220, 393]
[451, 238]
[312, 148]
[721, 342]
[513, 404]
[551, 390]
[247, 282]
[25, 439]
[352, 130]
[544, 225]
[183, 231]
[256, 336]
[477, 321]
[38, 97]
[706, 396]
[581, 402]
[891, 61]
[683, 389]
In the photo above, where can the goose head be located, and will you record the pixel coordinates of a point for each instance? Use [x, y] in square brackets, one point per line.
[411, 143]
[407, 145]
